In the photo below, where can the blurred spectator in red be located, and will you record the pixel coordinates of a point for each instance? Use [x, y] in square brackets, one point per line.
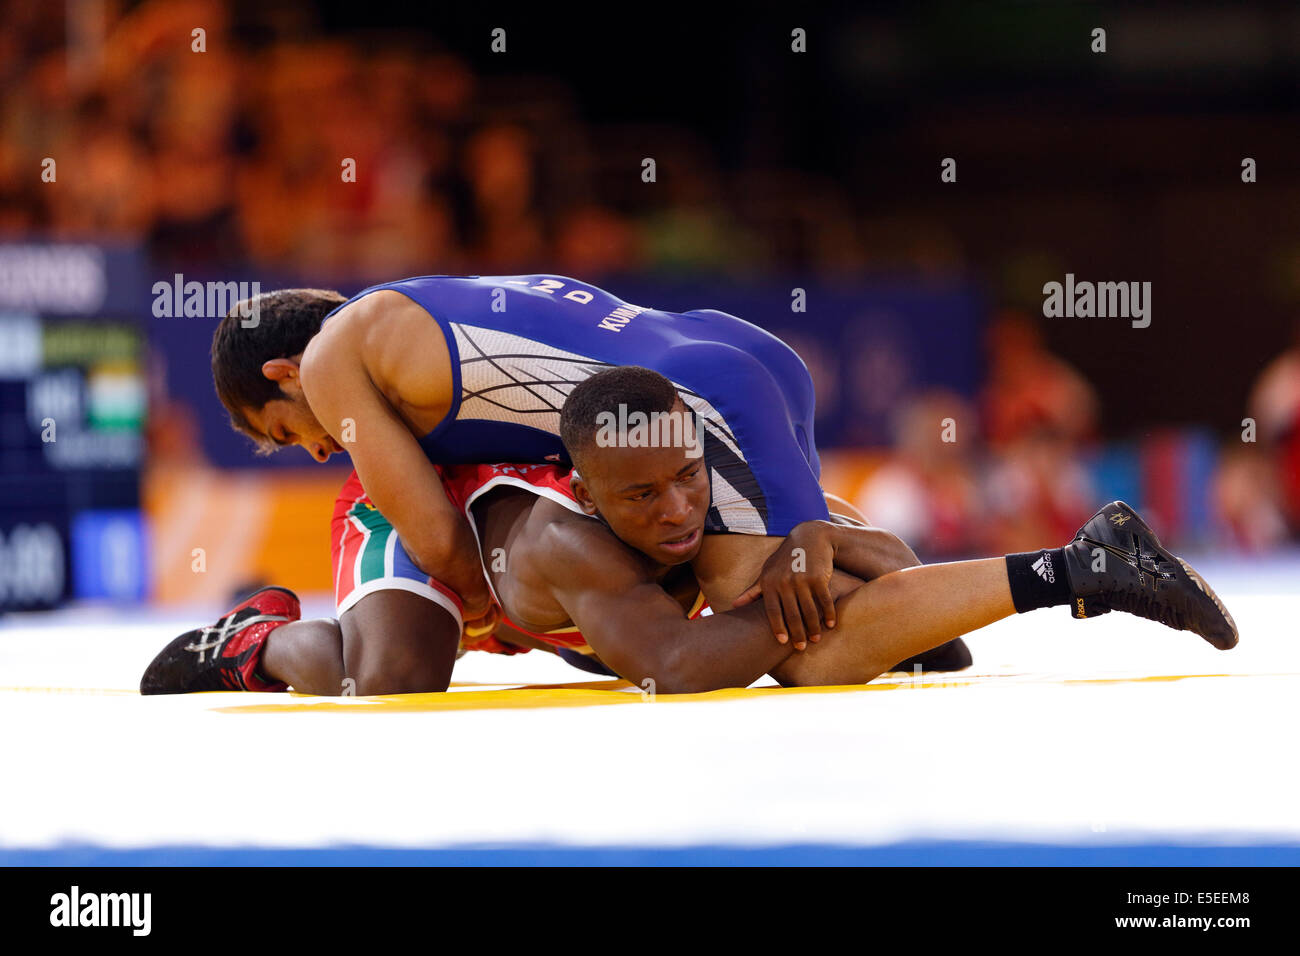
[1037, 412]
[926, 492]
[1247, 499]
[594, 240]
[1037, 493]
[499, 165]
[1030, 391]
[192, 173]
[1275, 405]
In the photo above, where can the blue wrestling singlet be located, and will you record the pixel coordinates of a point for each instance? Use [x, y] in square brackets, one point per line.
[519, 344]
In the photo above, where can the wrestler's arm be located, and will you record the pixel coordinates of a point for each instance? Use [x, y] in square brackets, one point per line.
[795, 582]
[353, 374]
[637, 629]
[866, 553]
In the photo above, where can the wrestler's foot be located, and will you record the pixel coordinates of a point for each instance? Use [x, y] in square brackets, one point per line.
[1116, 563]
[953, 656]
[225, 655]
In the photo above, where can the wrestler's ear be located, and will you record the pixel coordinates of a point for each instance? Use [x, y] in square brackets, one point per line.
[280, 369]
[580, 492]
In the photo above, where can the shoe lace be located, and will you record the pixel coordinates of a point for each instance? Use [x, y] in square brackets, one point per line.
[212, 637]
[1135, 597]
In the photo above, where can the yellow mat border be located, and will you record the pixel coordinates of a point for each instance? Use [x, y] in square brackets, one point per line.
[613, 692]
[594, 693]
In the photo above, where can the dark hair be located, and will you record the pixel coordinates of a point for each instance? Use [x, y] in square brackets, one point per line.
[286, 322]
[637, 388]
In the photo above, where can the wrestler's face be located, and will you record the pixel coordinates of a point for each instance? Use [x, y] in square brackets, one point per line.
[289, 421]
[654, 499]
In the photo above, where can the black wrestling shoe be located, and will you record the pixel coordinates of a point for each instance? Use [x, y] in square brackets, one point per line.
[225, 655]
[1116, 563]
[953, 656]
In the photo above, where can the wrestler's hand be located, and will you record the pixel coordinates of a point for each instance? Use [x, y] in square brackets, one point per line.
[795, 585]
[463, 573]
[481, 628]
[476, 601]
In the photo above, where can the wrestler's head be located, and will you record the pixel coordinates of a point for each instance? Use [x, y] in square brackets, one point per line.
[255, 355]
[638, 462]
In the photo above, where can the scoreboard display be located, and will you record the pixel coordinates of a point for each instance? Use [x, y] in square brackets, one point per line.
[72, 414]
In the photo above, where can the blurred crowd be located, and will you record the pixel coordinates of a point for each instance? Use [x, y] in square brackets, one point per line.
[235, 155]
[1036, 467]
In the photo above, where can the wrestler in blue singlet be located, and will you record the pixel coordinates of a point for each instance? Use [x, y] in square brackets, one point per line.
[519, 344]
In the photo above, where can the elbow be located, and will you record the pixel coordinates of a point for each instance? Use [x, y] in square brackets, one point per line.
[897, 555]
[679, 672]
[433, 556]
[906, 556]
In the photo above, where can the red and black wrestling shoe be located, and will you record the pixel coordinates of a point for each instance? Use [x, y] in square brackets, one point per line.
[225, 655]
